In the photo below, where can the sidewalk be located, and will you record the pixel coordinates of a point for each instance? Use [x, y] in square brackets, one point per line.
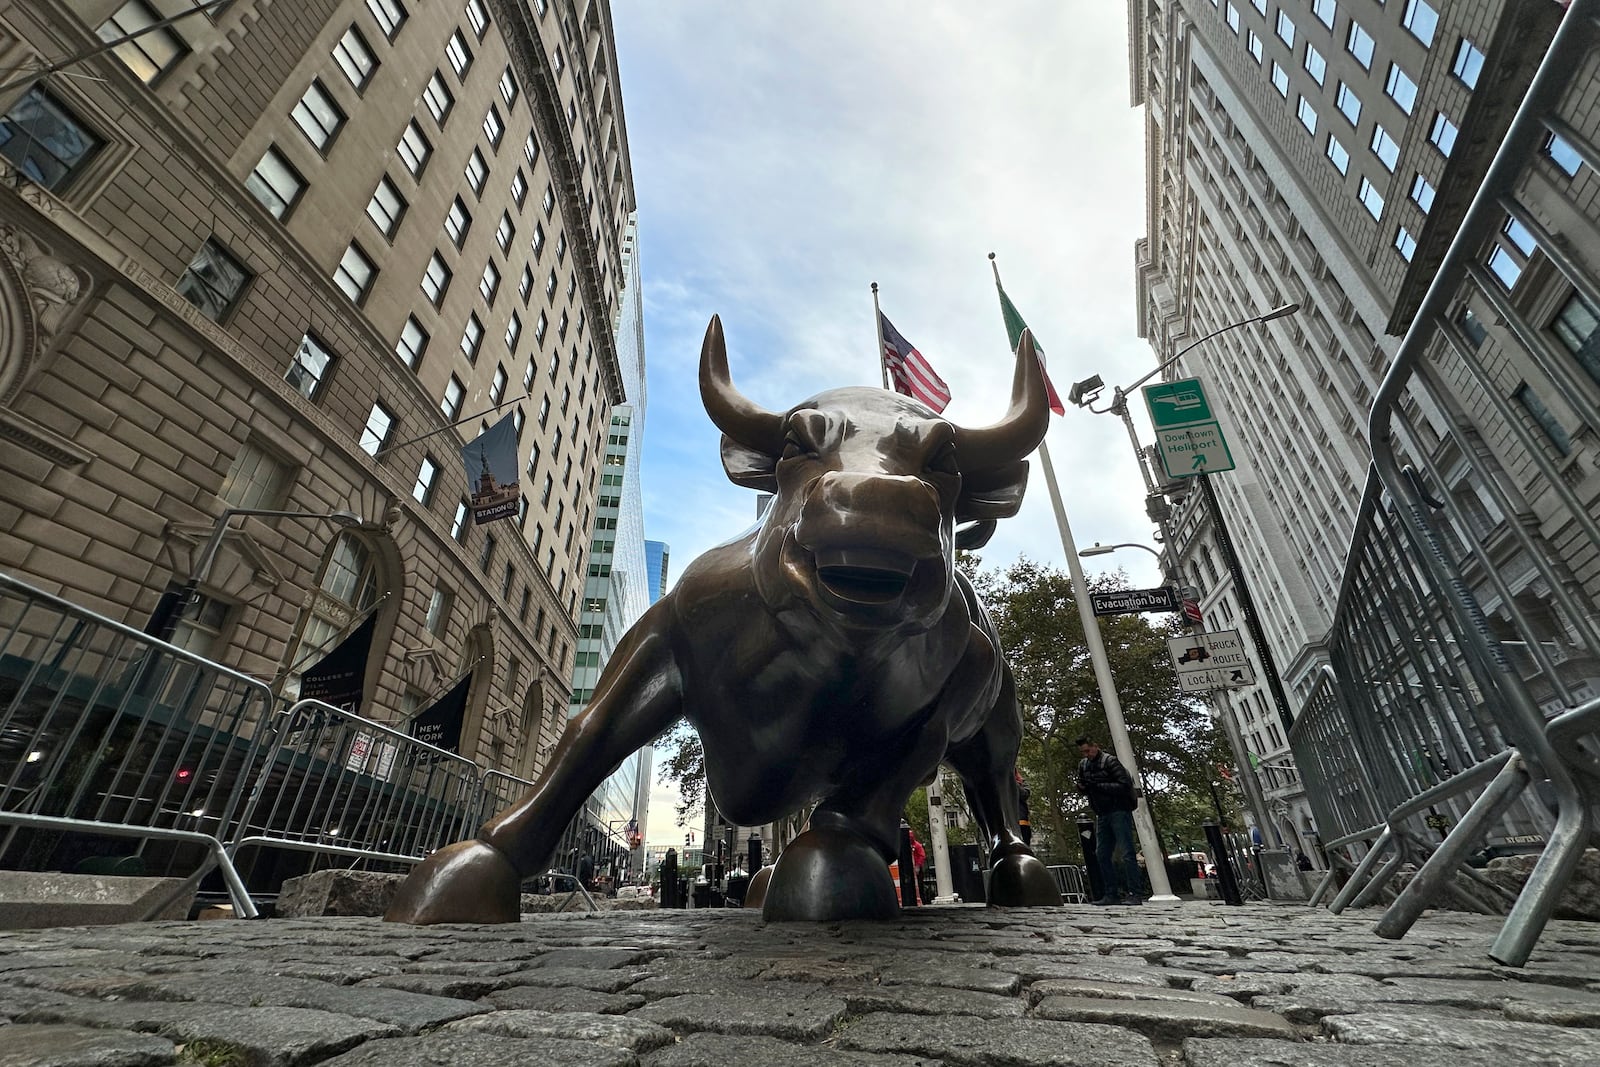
[1200, 985]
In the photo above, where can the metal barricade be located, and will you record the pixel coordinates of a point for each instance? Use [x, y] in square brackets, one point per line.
[500, 790]
[1072, 882]
[106, 733]
[1470, 591]
[334, 783]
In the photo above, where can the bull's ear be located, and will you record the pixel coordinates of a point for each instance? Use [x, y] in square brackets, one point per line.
[748, 467]
[992, 494]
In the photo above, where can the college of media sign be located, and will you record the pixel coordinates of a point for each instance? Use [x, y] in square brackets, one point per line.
[1133, 601]
[1210, 661]
[1188, 437]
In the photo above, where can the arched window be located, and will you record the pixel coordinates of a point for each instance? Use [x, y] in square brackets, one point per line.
[349, 588]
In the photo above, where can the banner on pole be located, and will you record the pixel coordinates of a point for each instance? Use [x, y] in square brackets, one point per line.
[491, 462]
[439, 724]
[337, 678]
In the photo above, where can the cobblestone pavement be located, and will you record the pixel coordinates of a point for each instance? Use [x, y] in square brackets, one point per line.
[1196, 984]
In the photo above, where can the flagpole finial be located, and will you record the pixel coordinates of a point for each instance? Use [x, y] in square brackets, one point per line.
[991, 255]
[874, 288]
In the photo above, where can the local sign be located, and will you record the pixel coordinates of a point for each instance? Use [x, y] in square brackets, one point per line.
[1132, 601]
[1206, 661]
[1188, 437]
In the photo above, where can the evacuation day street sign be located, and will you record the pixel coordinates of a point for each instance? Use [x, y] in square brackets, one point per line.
[1188, 437]
[1133, 601]
[1210, 661]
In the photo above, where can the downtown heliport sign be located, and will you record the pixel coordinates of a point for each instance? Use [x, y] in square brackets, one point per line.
[1188, 436]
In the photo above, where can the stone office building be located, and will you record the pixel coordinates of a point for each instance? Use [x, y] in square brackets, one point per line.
[290, 257]
[1323, 152]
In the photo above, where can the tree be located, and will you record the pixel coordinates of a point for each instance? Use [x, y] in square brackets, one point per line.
[1173, 739]
[684, 765]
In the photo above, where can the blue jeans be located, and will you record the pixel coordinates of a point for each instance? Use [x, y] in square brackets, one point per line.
[1118, 857]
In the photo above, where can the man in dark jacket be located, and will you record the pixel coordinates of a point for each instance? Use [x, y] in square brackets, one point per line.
[1109, 787]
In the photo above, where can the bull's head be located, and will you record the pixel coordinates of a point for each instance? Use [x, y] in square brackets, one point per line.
[869, 486]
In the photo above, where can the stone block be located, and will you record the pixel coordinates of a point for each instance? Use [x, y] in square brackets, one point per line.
[337, 893]
[31, 900]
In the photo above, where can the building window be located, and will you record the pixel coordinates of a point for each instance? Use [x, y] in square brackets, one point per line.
[1421, 19]
[538, 239]
[1401, 89]
[505, 233]
[438, 618]
[438, 99]
[1370, 198]
[458, 525]
[1405, 244]
[1325, 11]
[1443, 133]
[493, 127]
[549, 200]
[355, 274]
[1348, 103]
[387, 207]
[1385, 148]
[489, 284]
[541, 327]
[1315, 65]
[214, 281]
[513, 333]
[1308, 115]
[376, 433]
[457, 221]
[530, 149]
[525, 284]
[413, 342]
[486, 553]
[414, 149]
[550, 284]
[508, 87]
[44, 140]
[1562, 154]
[1337, 153]
[477, 17]
[309, 368]
[1510, 253]
[355, 58]
[1358, 42]
[497, 388]
[1542, 416]
[435, 280]
[427, 478]
[1253, 43]
[1422, 193]
[390, 16]
[318, 117]
[477, 173]
[1472, 328]
[1468, 63]
[1280, 80]
[255, 479]
[561, 247]
[459, 55]
[519, 188]
[454, 394]
[1285, 28]
[151, 53]
[275, 184]
[1577, 325]
[472, 338]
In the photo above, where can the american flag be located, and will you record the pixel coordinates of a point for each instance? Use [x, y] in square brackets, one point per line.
[909, 372]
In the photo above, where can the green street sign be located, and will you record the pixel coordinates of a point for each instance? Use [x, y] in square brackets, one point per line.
[1177, 403]
[1190, 450]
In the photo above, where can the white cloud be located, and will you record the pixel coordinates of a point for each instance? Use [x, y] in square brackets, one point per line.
[786, 156]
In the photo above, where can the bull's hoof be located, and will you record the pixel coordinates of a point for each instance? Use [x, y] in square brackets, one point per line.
[827, 874]
[1021, 881]
[756, 895]
[467, 882]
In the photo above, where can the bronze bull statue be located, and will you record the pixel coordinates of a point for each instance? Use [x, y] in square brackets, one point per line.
[833, 654]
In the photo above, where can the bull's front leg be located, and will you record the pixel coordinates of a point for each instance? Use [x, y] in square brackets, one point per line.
[637, 697]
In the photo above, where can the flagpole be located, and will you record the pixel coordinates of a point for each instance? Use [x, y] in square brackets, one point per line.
[337, 637]
[877, 323]
[1116, 725]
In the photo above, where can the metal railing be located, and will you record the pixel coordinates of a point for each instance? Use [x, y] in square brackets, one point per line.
[108, 733]
[1073, 883]
[1460, 640]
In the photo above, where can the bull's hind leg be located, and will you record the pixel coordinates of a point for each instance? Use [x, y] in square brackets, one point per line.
[987, 763]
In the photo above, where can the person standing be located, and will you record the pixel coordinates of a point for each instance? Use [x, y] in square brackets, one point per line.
[1112, 797]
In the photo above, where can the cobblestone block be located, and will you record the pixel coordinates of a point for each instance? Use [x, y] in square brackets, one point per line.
[81, 1046]
[562, 977]
[534, 998]
[1072, 987]
[927, 1000]
[613, 1031]
[1531, 1041]
[804, 1018]
[481, 1050]
[720, 1050]
[1258, 1052]
[957, 977]
[1000, 1042]
[1167, 1020]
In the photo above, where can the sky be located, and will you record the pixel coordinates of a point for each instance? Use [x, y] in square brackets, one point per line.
[786, 156]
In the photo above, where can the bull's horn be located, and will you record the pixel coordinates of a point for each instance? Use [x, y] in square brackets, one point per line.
[751, 426]
[1020, 432]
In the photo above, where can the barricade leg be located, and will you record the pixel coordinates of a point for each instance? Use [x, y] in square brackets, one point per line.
[1441, 866]
[1322, 887]
[1369, 892]
[1546, 881]
[1359, 876]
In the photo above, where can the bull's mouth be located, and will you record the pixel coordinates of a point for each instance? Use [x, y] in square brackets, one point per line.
[864, 576]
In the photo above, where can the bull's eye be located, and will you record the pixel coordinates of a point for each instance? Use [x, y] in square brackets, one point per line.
[943, 461]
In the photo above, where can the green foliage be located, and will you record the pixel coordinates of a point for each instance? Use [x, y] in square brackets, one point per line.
[1176, 744]
[683, 763]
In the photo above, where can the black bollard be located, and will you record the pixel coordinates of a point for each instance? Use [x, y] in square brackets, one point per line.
[754, 862]
[1229, 886]
[1091, 861]
[908, 873]
[669, 880]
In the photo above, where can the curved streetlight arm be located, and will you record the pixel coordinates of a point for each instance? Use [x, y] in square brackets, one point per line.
[208, 554]
[1097, 549]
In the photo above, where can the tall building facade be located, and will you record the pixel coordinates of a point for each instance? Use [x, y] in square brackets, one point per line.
[1322, 152]
[616, 588]
[657, 557]
[291, 257]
